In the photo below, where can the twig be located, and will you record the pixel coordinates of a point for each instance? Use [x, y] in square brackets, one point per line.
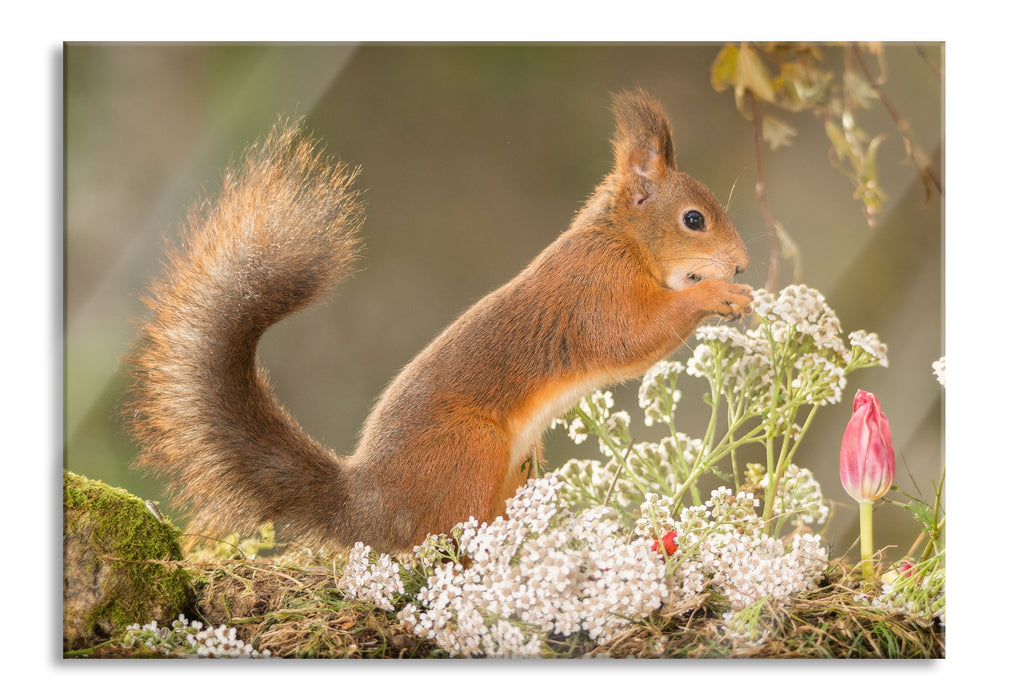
[934, 69]
[902, 126]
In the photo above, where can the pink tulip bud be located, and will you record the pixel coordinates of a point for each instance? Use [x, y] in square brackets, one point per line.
[867, 460]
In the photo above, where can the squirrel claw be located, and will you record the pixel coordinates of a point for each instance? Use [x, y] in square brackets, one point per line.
[736, 305]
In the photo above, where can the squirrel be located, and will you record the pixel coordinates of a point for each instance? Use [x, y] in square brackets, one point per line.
[649, 256]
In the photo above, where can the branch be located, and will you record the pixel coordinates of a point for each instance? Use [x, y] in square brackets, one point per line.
[919, 159]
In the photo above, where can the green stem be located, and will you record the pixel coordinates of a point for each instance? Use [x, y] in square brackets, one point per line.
[715, 396]
[802, 433]
[616, 475]
[729, 442]
[865, 537]
[725, 446]
[784, 459]
[735, 469]
[933, 538]
[772, 486]
[600, 431]
[730, 413]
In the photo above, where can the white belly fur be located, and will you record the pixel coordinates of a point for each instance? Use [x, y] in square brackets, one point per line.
[528, 432]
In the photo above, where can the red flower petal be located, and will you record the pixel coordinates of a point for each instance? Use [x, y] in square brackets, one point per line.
[668, 543]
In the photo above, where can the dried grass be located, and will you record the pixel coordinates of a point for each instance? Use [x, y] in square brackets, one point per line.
[298, 612]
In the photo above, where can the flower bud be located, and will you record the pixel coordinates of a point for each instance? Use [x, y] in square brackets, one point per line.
[867, 459]
[908, 569]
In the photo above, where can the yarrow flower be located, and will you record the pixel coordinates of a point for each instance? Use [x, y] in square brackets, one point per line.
[799, 495]
[797, 330]
[870, 344]
[721, 547]
[631, 473]
[818, 381]
[190, 639]
[577, 550]
[378, 581]
[542, 571]
[658, 395]
[766, 383]
[916, 591]
[658, 516]
[939, 369]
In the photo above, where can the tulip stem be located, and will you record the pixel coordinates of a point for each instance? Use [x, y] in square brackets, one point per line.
[865, 537]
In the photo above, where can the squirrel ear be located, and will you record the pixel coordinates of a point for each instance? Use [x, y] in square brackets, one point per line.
[643, 144]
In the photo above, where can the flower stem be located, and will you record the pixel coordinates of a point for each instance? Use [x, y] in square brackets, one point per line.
[865, 537]
[600, 430]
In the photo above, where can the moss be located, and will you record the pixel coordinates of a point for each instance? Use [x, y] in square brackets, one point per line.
[120, 563]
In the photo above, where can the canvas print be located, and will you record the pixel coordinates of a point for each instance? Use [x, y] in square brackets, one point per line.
[535, 351]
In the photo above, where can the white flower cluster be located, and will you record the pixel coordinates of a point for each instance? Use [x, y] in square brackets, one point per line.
[939, 369]
[920, 597]
[797, 329]
[588, 481]
[597, 406]
[542, 571]
[818, 380]
[740, 362]
[743, 628]
[800, 495]
[657, 516]
[191, 638]
[800, 309]
[378, 581]
[633, 469]
[721, 546]
[658, 395]
[651, 467]
[223, 642]
[870, 344]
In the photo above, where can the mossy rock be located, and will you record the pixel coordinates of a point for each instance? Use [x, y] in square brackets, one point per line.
[119, 564]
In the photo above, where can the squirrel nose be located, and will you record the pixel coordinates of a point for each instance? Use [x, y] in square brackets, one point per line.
[740, 269]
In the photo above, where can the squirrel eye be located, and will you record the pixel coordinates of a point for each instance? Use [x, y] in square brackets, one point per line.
[694, 220]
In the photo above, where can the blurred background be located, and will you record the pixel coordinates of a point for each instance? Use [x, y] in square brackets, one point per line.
[475, 157]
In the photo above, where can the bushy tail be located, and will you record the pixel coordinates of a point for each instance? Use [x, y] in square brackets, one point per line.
[281, 232]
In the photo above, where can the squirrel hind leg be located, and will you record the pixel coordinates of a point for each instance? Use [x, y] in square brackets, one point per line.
[468, 473]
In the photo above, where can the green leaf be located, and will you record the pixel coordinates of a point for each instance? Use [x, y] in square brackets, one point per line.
[801, 86]
[753, 76]
[741, 68]
[921, 512]
[870, 154]
[776, 132]
[837, 140]
[860, 92]
[725, 67]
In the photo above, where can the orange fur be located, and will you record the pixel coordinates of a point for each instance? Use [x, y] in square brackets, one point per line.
[623, 287]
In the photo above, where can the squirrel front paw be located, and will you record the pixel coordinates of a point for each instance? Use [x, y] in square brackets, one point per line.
[726, 299]
[736, 301]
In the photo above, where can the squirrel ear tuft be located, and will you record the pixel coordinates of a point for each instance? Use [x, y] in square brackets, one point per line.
[643, 143]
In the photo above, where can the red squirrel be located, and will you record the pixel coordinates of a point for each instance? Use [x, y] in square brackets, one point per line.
[649, 256]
